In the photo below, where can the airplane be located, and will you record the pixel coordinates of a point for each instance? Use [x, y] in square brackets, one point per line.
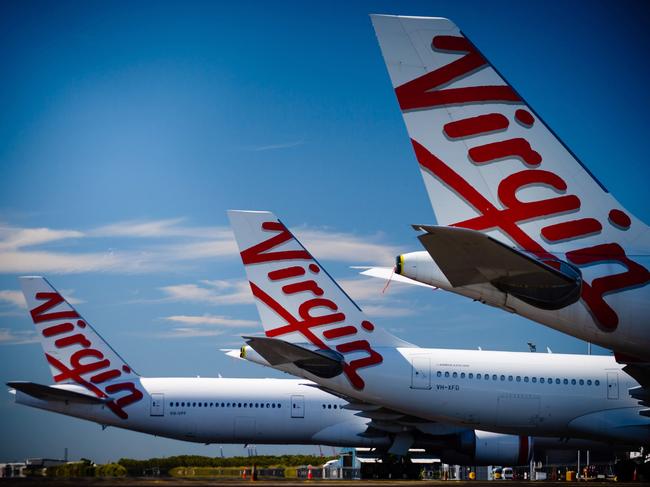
[522, 224]
[92, 382]
[314, 330]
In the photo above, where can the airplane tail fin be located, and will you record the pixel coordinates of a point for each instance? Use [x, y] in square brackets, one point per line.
[488, 161]
[76, 353]
[297, 300]
[490, 164]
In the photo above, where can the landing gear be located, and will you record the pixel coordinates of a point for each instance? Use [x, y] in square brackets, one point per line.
[391, 467]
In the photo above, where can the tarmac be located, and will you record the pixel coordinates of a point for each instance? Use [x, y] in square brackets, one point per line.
[172, 482]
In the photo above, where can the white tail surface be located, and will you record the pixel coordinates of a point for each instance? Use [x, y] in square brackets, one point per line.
[296, 298]
[490, 164]
[75, 351]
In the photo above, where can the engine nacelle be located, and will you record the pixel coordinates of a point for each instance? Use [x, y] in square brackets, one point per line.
[486, 448]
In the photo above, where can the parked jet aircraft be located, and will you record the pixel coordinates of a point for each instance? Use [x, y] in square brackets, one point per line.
[93, 382]
[527, 227]
[314, 330]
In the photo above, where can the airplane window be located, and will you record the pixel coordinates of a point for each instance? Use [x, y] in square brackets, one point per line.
[486, 376]
[199, 404]
[471, 375]
[324, 406]
[557, 381]
[518, 378]
[503, 377]
[534, 379]
[439, 374]
[250, 404]
[588, 382]
[334, 406]
[550, 380]
[193, 404]
[581, 382]
[238, 404]
[212, 404]
[279, 405]
[454, 375]
[494, 377]
[565, 381]
[182, 404]
[329, 406]
[573, 382]
[245, 405]
[446, 374]
[478, 376]
[257, 404]
[462, 375]
[268, 405]
[273, 405]
[541, 380]
[509, 378]
[597, 382]
[525, 378]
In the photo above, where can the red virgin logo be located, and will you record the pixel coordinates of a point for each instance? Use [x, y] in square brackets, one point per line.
[295, 279]
[87, 366]
[425, 92]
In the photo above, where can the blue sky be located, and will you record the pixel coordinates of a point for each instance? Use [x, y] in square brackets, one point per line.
[128, 129]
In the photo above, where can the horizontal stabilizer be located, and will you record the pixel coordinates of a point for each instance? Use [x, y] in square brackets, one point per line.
[389, 274]
[321, 363]
[469, 257]
[49, 393]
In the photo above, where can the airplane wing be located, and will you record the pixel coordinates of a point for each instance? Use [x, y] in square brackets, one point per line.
[49, 393]
[469, 257]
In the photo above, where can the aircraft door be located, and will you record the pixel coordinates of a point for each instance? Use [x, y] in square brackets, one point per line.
[297, 406]
[421, 372]
[157, 404]
[612, 385]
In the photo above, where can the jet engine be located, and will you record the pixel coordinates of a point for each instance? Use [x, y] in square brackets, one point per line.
[485, 448]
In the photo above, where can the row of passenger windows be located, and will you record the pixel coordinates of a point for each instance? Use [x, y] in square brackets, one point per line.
[250, 405]
[332, 406]
[518, 378]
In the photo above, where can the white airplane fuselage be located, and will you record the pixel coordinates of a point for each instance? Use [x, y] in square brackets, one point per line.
[534, 394]
[209, 410]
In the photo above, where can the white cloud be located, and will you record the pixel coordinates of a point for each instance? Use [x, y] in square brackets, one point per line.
[14, 298]
[12, 337]
[284, 145]
[14, 238]
[208, 319]
[180, 243]
[345, 247]
[182, 332]
[172, 227]
[203, 326]
[210, 292]
[170, 243]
